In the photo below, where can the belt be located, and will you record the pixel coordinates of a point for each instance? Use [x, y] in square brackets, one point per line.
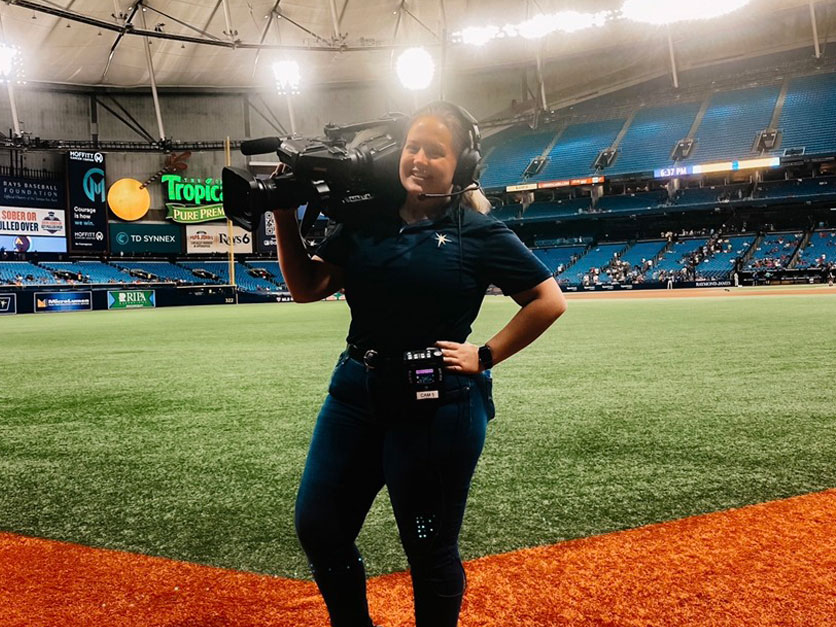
[373, 358]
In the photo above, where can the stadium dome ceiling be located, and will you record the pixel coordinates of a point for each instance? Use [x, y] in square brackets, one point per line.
[232, 43]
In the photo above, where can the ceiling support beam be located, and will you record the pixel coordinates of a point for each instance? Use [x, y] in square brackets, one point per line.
[271, 17]
[541, 81]
[153, 79]
[135, 127]
[442, 75]
[673, 60]
[122, 30]
[230, 32]
[815, 29]
[335, 21]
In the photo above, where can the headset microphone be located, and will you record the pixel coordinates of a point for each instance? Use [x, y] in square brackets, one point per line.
[469, 188]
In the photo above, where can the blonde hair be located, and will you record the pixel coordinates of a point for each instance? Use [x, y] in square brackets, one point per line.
[475, 199]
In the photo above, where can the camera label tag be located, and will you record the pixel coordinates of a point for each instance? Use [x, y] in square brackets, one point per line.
[423, 394]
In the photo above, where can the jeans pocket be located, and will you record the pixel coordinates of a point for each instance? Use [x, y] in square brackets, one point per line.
[485, 383]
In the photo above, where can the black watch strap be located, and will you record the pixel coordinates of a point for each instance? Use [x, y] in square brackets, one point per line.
[485, 357]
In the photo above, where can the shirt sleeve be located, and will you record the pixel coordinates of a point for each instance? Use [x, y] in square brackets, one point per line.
[508, 263]
[335, 247]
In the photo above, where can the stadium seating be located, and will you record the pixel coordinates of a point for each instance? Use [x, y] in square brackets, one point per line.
[577, 148]
[30, 274]
[597, 258]
[557, 208]
[674, 257]
[651, 137]
[720, 265]
[775, 250]
[731, 123]
[556, 257]
[163, 270]
[97, 271]
[797, 188]
[272, 268]
[808, 117]
[632, 202]
[821, 249]
[243, 279]
[643, 251]
[513, 151]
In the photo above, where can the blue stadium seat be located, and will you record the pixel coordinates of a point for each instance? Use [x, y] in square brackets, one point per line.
[556, 208]
[512, 152]
[808, 118]
[29, 274]
[774, 251]
[648, 142]
[720, 265]
[820, 250]
[575, 151]
[632, 202]
[560, 256]
[599, 257]
[163, 270]
[731, 123]
[97, 271]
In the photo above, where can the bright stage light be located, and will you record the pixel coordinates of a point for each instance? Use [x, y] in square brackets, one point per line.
[659, 13]
[288, 76]
[415, 68]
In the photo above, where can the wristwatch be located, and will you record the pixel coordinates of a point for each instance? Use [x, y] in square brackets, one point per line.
[485, 357]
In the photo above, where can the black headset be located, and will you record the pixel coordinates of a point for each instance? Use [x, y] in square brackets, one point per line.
[467, 167]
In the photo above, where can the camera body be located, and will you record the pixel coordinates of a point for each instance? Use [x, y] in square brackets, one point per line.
[351, 170]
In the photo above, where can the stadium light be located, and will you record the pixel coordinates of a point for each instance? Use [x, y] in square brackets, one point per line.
[415, 68]
[11, 69]
[661, 13]
[288, 77]
[538, 26]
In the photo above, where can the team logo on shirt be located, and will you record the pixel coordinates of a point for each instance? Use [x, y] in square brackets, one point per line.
[441, 239]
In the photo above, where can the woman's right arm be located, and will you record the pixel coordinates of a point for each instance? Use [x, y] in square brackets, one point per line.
[308, 279]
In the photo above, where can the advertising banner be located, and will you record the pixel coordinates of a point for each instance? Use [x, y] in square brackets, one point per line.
[192, 200]
[21, 192]
[8, 304]
[87, 201]
[145, 237]
[214, 238]
[63, 301]
[131, 299]
[32, 244]
[41, 222]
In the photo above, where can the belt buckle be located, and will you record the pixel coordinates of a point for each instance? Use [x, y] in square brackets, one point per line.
[369, 358]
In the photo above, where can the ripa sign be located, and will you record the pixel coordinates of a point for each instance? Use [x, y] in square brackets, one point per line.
[192, 200]
[131, 299]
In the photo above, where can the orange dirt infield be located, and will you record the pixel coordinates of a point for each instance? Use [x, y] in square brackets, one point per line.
[702, 292]
[767, 564]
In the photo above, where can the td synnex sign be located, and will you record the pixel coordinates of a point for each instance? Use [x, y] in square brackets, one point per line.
[145, 238]
[87, 200]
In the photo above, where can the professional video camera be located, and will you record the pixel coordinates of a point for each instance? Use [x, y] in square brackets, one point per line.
[351, 171]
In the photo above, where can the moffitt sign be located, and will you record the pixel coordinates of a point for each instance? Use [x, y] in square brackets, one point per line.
[87, 210]
[204, 198]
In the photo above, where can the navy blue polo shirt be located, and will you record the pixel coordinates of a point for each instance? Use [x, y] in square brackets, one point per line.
[411, 285]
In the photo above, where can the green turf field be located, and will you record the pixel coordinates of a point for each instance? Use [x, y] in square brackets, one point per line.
[182, 432]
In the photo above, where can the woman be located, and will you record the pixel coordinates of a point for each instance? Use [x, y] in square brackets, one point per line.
[413, 279]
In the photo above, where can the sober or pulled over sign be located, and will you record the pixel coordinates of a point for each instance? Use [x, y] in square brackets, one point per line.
[143, 237]
[214, 238]
[87, 210]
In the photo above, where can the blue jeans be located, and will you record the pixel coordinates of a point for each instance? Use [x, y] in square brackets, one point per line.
[370, 434]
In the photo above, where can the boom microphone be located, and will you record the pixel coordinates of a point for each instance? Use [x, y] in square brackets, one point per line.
[260, 146]
[469, 188]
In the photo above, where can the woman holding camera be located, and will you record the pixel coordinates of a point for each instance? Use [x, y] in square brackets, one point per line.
[414, 279]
